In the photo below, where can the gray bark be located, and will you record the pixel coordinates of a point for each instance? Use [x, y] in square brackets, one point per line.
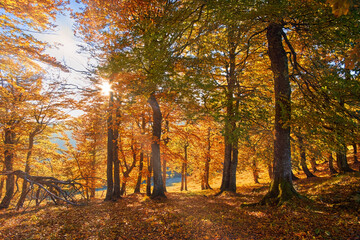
[158, 190]
[281, 187]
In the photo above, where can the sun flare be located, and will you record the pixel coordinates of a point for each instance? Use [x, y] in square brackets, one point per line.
[105, 88]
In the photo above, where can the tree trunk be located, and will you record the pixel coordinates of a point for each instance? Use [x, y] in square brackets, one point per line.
[37, 199]
[270, 170]
[164, 174]
[182, 177]
[24, 189]
[303, 158]
[185, 166]
[93, 171]
[205, 180]
[9, 155]
[123, 186]
[2, 182]
[128, 170]
[141, 160]
[184, 170]
[282, 188]
[231, 152]
[313, 164]
[117, 191]
[148, 177]
[331, 164]
[341, 160]
[158, 190]
[255, 171]
[166, 141]
[1, 187]
[110, 152]
[141, 166]
[355, 153]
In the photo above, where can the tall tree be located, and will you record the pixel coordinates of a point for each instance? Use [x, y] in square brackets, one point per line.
[143, 39]
[281, 186]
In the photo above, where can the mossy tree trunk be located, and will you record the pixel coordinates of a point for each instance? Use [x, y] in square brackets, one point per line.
[282, 188]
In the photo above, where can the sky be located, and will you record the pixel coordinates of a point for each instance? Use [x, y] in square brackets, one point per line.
[67, 51]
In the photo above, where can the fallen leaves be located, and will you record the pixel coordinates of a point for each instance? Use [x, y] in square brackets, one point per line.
[194, 216]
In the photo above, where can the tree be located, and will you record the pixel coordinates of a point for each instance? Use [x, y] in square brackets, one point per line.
[113, 191]
[144, 42]
[19, 23]
[85, 152]
[13, 97]
[281, 187]
[45, 105]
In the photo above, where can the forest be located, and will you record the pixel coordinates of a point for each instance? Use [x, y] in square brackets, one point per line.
[195, 119]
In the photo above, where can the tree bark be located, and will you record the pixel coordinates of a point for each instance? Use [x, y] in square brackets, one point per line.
[341, 160]
[282, 188]
[141, 166]
[110, 152]
[93, 170]
[158, 190]
[231, 152]
[141, 160]
[182, 177]
[205, 180]
[313, 164]
[355, 153]
[164, 167]
[116, 161]
[128, 169]
[303, 158]
[1, 187]
[148, 177]
[9, 155]
[184, 170]
[331, 164]
[24, 189]
[255, 171]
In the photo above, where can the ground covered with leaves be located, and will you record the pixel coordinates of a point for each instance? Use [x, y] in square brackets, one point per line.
[331, 211]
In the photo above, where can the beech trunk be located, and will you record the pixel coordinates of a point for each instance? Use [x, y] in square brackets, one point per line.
[141, 166]
[205, 180]
[10, 179]
[355, 153]
[341, 160]
[331, 164]
[282, 188]
[148, 177]
[231, 152]
[158, 190]
[303, 158]
[24, 188]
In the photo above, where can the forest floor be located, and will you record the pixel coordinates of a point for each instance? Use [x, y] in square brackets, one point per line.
[331, 211]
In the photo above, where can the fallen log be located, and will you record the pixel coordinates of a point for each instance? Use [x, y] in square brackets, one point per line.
[57, 190]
